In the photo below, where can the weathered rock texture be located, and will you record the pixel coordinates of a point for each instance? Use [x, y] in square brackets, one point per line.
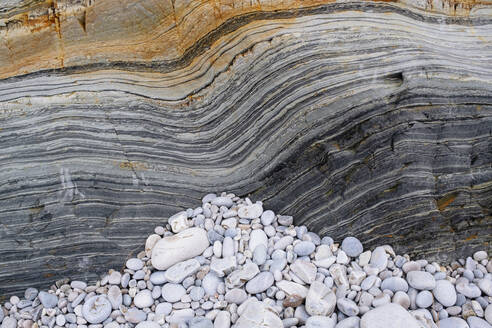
[371, 119]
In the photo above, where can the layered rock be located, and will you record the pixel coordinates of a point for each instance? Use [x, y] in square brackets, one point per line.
[358, 118]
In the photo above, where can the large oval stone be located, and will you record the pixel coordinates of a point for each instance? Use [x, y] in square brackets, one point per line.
[180, 247]
[389, 315]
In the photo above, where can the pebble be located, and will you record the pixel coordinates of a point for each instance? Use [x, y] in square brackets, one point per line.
[143, 299]
[352, 246]
[180, 247]
[48, 300]
[320, 300]
[350, 322]
[488, 313]
[394, 284]
[260, 283]
[148, 324]
[424, 299]
[379, 259]
[179, 271]
[348, 307]
[172, 292]
[115, 297]
[285, 220]
[389, 315]
[222, 320]
[305, 270]
[178, 222]
[445, 293]
[421, 280]
[256, 238]
[96, 309]
[9, 322]
[475, 322]
[134, 264]
[304, 248]
[452, 322]
[267, 217]
[258, 314]
[236, 295]
[318, 321]
[250, 212]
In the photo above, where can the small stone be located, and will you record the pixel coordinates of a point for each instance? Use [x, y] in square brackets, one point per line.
[178, 222]
[9, 322]
[134, 264]
[267, 217]
[179, 271]
[470, 290]
[48, 300]
[379, 259]
[200, 322]
[197, 293]
[114, 278]
[150, 243]
[488, 313]
[410, 266]
[320, 300]
[60, 320]
[292, 288]
[452, 322]
[257, 237]
[480, 256]
[260, 283]
[115, 297]
[223, 266]
[352, 246]
[258, 315]
[421, 280]
[134, 315]
[347, 307]
[148, 324]
[292, 301]
[318, 321]
[210, 283]
[96, 309]
[222, 201]
[445, 293]
[143, 299]
[30, 294]
[236, 295]
[389, 315]
[475, 322]
[350, 322]
[285, 220]
[239, 277]
[158, 277]
[228, 247]
[394, 284]
[222, 320]
[250, 212]
[424, 299]
[304, 248]
[486, 286]
[402, 299]
[172, 292]
[260, 254]
[304, 270]
[180, 247]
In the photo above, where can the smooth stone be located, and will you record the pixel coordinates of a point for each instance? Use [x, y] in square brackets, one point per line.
[178, 222]
[210, 283]
[260, 254]
[394, 284]
[208, 198]
[134, 315]
[320, 300]
[114, 278]
[223, 266]
[389, 315]
[148, 324]
[267, 217]
[452, 322]
[260, 283]
[163, 308]
[317, 321]
[352, 246]
[180, 247]
[236, 295]
[2, 315]
[228, 247]
[200, 322]
[239, 277]
[60, 320]
[476, 322]
[445, 293]
[158, 277]
[424, 299]
[347, 307]
[292, 288]
[304, 248]
[30, 294]
[96, 309]
[180, 316]
[9, 322]
[222, 201]
[250, 212]
[48, 300]
[179, 271]
[379, 258]
[143, 299]
[115, 297]
[480, 256]
[402, 299]
[257, 237]
[470, 290]
[486, 286]
[350, 322]
[285, 220]
[150, 243]
[421, 280]
[304, 270]
[258, 314]
[222, 320]
[488, 313]
[339, 274]
[134, 264]
[172, 292]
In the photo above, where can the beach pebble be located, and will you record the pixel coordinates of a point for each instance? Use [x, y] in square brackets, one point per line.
[389, 315]
[96, 309]
[260, 283]
[352, 246]
[421, 280]
[445, 293]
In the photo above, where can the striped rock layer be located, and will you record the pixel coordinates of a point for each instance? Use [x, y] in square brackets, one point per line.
[371, 119]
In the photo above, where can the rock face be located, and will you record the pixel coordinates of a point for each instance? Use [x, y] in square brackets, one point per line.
[107, 129]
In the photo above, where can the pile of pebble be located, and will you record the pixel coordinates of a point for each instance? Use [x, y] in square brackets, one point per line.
[231, 263]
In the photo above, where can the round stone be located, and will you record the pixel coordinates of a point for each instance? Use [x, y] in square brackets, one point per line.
[143, 299]
[445, 293]
[148, 324]
[421, 280]
[452, 322]
[424, 299]
[304, 248]
[9, 322]
[318, 321]
[480, 256]
[347, 307]
[250, 212]
[256, 238]
[394, 284]
[48, 300]
[96, 309]
[30, 294]
[60, 320]
[260, 283]
[172, 292]
[352, 246]
[200, 322]
[389, 315]
[158, 277]
[267, 217]
[197, 293]
[236, 295]
[134, 264]
[488, 313]
[476, 322]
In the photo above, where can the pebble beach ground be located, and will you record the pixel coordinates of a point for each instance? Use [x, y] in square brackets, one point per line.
[231, 263]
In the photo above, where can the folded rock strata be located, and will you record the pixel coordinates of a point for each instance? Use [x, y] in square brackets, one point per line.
[370, 119]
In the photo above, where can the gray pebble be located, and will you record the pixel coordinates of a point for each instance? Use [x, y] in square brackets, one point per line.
[200, 322]
[352, 246]
[30, 294]
[134, 264]
[267, 217]
[48, 300]
[424, 299]
[158, 277]
[260, 283]
[421, 280]
[172, 292]
[285, 220]
[304, 248]
[394, 284]
[96, 309]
